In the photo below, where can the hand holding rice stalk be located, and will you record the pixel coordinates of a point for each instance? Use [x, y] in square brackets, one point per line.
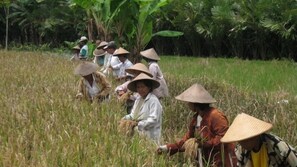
[191, 148]
[126, 127]
[124, 97]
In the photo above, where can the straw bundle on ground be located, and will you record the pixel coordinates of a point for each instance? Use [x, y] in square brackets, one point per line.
[126, 127]
[191, 148]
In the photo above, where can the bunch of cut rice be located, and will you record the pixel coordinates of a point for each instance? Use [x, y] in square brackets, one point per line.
[123, 98]
[191, 149]
[126, 127]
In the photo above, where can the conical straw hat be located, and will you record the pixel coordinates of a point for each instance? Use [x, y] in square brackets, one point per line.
[111, 44]
[99, 52]
[102, 45]
[83, 38]
[196, 94]
[120, 51]
[244, 127]
[142, 77]
[76, 47]
[150, 54]
[137, 69]
[85, 68]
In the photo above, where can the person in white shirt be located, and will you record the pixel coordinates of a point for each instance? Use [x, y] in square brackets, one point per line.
[147, 110]
[152, 58]
[124, 96]
[122, 54]
[110, 59]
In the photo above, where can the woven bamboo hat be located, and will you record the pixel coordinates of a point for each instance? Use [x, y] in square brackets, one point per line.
[111, 44]
[196, 94]
[244, 127]
[150, 54]
[76, 47]
[102, 45]
[138, 68]
[99, 52]
[85, 68]
[121, 51]
[142, 77]
[83, 38]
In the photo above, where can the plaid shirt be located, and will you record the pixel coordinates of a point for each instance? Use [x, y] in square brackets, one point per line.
[280, 153]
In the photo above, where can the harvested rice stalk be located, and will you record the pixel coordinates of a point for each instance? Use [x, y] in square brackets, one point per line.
[126, 127]
[191, 149]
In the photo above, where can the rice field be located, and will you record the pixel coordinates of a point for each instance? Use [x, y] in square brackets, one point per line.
[41, 123]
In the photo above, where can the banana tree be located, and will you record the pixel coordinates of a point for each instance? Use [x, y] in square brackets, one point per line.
[142, 32]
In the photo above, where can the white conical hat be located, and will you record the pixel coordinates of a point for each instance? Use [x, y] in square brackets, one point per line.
[76, 47]
[121, 51]
[102, 45]
[244, 127]
[150, 54]
[85, 68]
[137, 69]
[196, 94]
[83, 38]
[142, 77]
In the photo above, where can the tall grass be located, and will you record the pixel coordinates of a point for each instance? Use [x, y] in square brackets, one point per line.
[41, 124]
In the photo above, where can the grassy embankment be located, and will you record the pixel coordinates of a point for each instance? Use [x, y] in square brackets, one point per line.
[41, 124]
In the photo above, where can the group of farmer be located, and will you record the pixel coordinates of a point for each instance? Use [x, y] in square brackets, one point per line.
[245, 143]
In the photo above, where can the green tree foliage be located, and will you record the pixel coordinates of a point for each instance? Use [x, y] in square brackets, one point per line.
[251, 29]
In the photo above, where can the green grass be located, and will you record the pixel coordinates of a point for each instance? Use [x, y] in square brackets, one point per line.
[41, 124]
[260, 76]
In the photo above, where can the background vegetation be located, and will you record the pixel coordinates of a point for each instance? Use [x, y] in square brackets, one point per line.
[41, 124]
[251, 29]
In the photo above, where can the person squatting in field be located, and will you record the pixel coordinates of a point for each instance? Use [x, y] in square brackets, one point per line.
[93, 85]
[207, 127]
[99, 53]
[124, 95]
[110, 60]
[83, 54]
[152, 58]
[122, 54]
[147, 110]
[257, 148]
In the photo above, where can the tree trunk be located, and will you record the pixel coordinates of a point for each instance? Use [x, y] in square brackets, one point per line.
[6, 36]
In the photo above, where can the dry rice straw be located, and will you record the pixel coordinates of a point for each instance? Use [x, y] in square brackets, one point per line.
[126, 127]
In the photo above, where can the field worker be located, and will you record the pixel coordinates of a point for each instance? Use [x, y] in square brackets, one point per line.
[83, 54]
[207, 127]
[93, 86]
[76, 50]
[110, 60]
[122, 54]
[256, 147]
[152, 58]
[147, 110]
[99, 53]
[125, 96]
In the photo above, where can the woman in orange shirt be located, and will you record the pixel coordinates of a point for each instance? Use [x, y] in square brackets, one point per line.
[210, 124]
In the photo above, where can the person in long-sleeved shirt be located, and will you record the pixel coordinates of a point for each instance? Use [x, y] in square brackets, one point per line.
[147, 110]
[208, 126]
[110, 60]
[152, 58]
[93, 85]
[84, 50]
[122, 54]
